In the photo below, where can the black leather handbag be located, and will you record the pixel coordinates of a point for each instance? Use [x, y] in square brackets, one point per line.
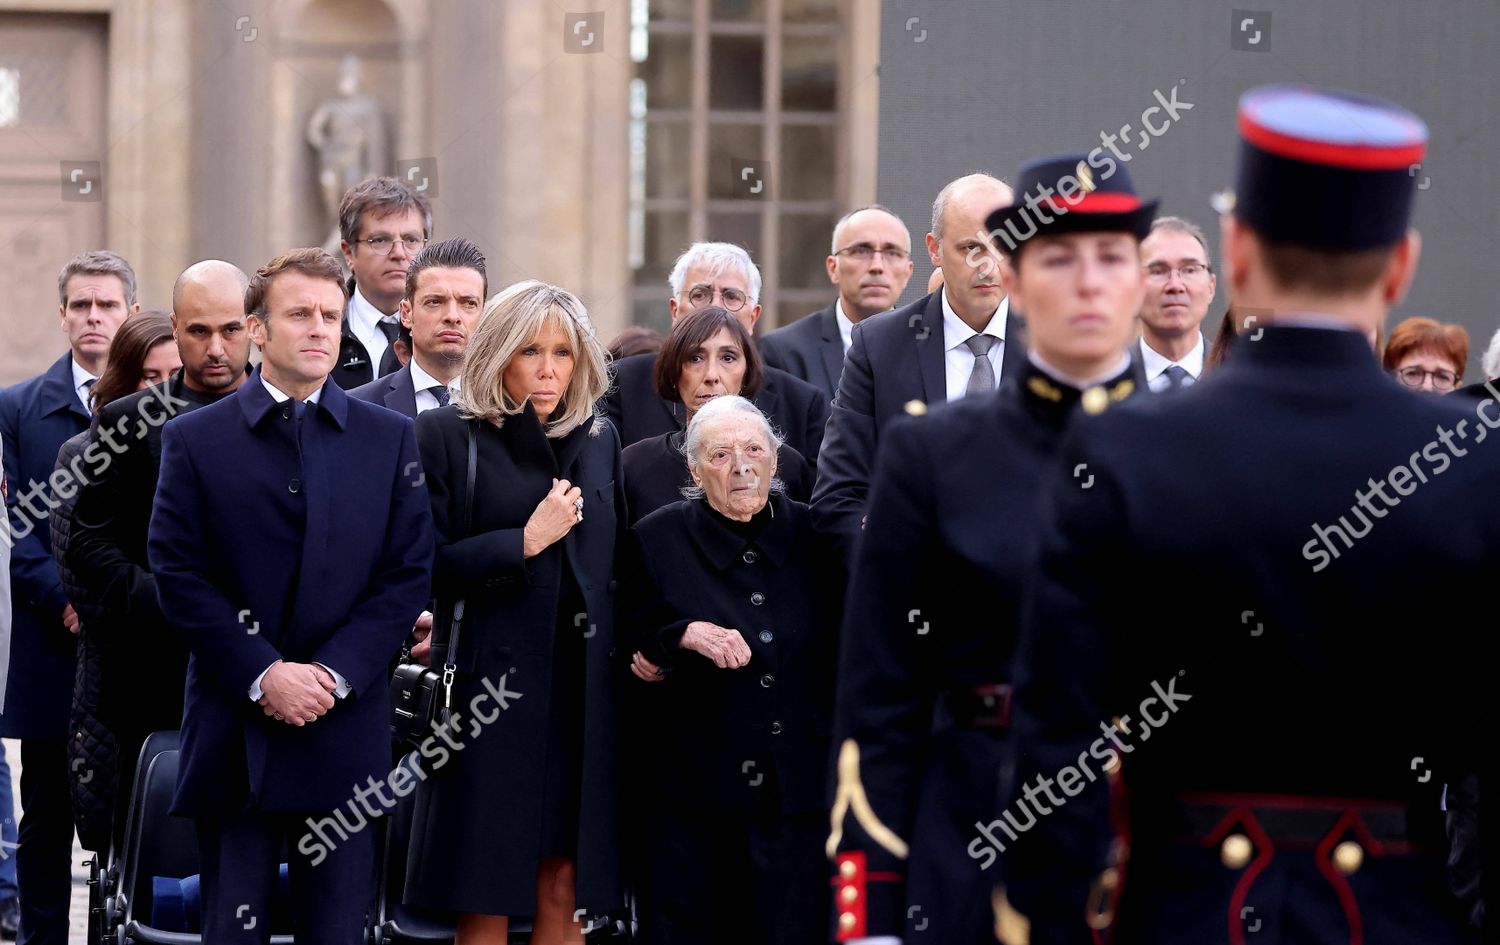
[422, 697]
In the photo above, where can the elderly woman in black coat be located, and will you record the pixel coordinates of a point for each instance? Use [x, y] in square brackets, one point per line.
[519, 818]
[708, 354]
[733, 603]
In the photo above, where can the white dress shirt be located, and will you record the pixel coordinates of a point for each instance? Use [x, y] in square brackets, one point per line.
[846, 327]
[421, 380]
[1156, 365]
[364, 322]
[343, 684]
[82, 381]
[958, 360]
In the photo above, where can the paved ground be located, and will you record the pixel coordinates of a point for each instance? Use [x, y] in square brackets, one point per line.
[78, 929]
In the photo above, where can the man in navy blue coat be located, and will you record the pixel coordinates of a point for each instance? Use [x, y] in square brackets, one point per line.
[97, 291]
[293, 583]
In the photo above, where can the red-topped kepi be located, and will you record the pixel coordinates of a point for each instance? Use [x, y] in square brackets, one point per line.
[1326, 169]
[1065, 193]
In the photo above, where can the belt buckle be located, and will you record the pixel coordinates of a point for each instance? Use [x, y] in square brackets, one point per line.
[994, 698]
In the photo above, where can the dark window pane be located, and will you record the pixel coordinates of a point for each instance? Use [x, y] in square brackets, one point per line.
[809, 73]
[671, 9]
[668, 71]
[804, 249]
[652, 313]
[732, 148]
[666, 238]
[666, 159]
[738, 11]
[807, 161]
[742, 229]
[736, 69]
[809, 11]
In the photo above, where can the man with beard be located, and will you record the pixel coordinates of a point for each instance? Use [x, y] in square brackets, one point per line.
[110, 520]
[870, 262]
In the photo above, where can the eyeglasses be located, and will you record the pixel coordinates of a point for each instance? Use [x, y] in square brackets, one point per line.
[1161, 272]
[702, 296]
[864, 252]
[382, 245]
[1441, 379]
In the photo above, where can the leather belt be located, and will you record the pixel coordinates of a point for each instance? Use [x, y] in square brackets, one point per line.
[982, 707]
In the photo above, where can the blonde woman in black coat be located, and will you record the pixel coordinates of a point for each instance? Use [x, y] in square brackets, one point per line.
[520, 818]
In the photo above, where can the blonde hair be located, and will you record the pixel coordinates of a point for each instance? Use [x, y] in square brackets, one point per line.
[512, 318]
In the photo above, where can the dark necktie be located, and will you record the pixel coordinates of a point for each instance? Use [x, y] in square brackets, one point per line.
[982, 379]
[1177, 377]
[441, 393]
[88, 393]
[390, 328]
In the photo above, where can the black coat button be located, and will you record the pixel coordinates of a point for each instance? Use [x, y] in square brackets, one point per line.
[775, 728]
[294, 487]
[757, 598]
[766, 636]
[613, 586]
[286, 412]
[749, 556]
[767, 680]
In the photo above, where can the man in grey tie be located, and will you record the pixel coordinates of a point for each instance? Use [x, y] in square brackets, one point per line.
[1180, 284]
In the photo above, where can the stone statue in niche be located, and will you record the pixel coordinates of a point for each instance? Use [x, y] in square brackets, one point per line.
[349, 133]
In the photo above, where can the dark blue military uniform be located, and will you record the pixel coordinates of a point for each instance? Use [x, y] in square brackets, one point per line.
[1277, 729]
[922, 721]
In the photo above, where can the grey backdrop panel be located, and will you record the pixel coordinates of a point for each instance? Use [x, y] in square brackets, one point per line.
[970, 85]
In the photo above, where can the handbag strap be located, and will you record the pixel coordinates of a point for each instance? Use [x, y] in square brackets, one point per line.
[449, 666]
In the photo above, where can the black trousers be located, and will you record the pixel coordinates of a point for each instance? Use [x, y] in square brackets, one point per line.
[44, 852]
[332, 890]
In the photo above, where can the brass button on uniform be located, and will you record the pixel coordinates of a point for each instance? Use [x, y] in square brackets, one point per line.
[1236, 851]
[847, 921]
[849, 894]
[847, 869]
[1348, 857]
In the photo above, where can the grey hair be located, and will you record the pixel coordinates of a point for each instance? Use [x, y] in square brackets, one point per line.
[833, 245]
[717, 257]
[1179, 225]
[718, 408]
[1491, 360]
[100, 262]
[945, 196]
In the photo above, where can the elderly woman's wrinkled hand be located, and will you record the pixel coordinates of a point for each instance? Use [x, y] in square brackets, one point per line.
[726, 648]
[645, 669]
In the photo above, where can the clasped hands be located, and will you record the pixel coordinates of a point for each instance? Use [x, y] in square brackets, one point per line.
[296, 693]
[724, 647]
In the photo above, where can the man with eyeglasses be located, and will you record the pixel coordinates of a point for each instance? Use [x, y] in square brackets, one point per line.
[720, 274]
[957, 341]
[870, 262]
[383, 224]
[1180, 284]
